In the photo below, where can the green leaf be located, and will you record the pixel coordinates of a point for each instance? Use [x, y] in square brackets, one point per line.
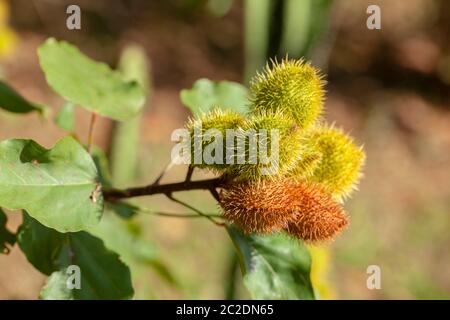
[134, 65]
[120, 236]
[206, 94]
[123, 209]
[102, 165]
[7, 238]
[41, 245]
[65, 118]
[90, 84]
[12, 101]
[58, 187]
[56, 287]
[274, 267]
[103, 274]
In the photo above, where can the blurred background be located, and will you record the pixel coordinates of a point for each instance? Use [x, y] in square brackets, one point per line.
[390, 88]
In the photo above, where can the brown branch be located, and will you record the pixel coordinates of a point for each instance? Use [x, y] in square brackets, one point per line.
[189, 173]
[156, 188]
[215, 194]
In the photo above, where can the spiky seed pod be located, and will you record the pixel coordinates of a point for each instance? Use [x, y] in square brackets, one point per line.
[258, 207]
[340, 167]
[277, 147]
[217, 119]
[303, 208]
[307, 163]
[320, 224]
[292, 86]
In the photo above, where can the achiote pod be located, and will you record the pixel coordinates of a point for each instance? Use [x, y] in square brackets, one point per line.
[270, 145]
[303, 209]
[284, 170]
[307, 162]
[339, 168]
[210, 132]
[291, 86]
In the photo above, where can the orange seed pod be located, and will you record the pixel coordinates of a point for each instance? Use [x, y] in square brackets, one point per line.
[304, 209]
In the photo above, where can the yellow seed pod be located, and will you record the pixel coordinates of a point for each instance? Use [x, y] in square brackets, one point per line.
[292, 86]
[205, 130]
[340, 166]
[271, 148]
[308, 161]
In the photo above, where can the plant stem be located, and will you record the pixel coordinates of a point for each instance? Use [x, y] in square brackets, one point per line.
[116, 194]
[220, 224]
[189, 173]
[231, 274]
[91, 132]
[181, 215]
[256, 34]
[166, 169]
[124, 154]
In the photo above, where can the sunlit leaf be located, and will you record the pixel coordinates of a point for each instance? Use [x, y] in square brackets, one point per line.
[58, 187]
[56, 287]
[206, 94]
[65, 118]
[89, 84]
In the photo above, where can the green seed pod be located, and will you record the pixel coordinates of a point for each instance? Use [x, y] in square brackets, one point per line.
[204, 132]
[271, 147]
[292, 86]
[340, 166]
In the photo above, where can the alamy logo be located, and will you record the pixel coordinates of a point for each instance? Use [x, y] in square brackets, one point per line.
[374, 20]
[73, 21]
[74, 277]
[237, 147]
[374, 278]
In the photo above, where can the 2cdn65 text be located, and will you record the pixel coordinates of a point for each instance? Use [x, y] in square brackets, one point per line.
[230, 309]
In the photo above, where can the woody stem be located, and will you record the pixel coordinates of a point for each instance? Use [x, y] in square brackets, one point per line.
[156, 188]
